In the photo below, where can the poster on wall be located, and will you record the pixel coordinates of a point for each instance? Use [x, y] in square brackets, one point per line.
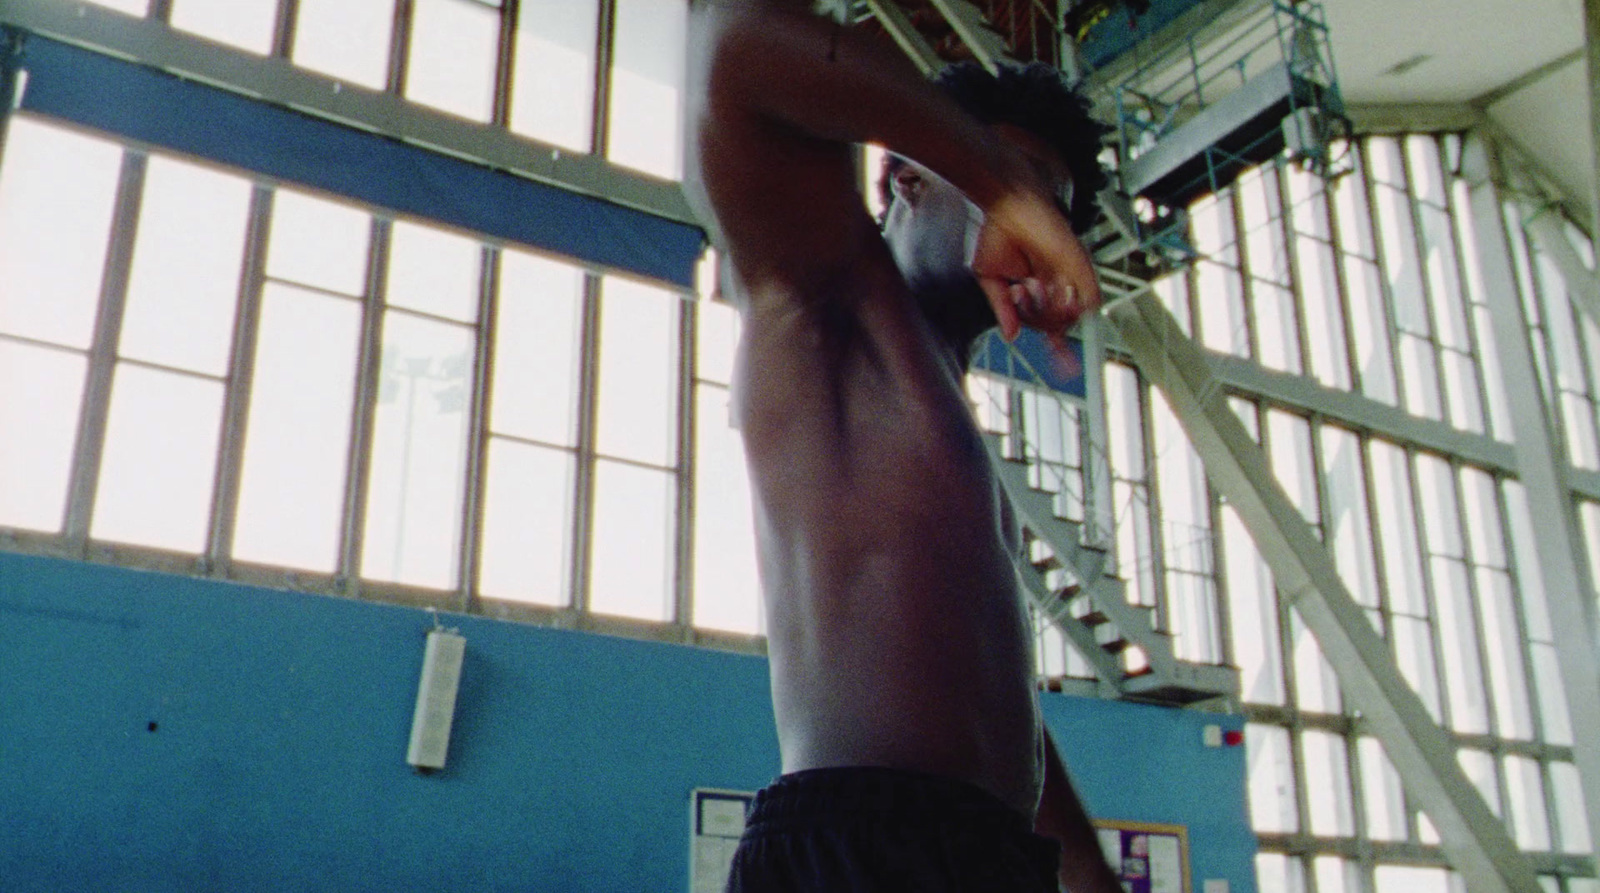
[1146, 857]
[716, 820]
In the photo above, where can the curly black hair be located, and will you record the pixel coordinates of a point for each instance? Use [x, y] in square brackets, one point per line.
[1038, 99]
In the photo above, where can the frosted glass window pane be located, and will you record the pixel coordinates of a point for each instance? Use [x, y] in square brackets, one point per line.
[454, 49]
[1125, 421]
[1384, 163]
[1324, 320]
[318, 242]
[57, 190]
[1508, 682]
[160, 459]
[184, 286]
[291, 490]
[727, 591]
[527, 523]
[1346, 523]
[434, 272]
[1409, 879]
[1444, 278]
[1530, 822]
[1400, 262]
[1566, 789]
[1277, 873]
[631, 561]
[718, 334]
[1277, 328]
[1222, 314]
[1413, 647]
[1273, 806]
[246, 24]
[41, 392]
[646, 121]
[552, 95]
[638, 399]
[1381, 792]
[1421, 374]
[1327, 784]
[1436, 486]
[1462, 393]
[1350, 209]
[1552, 694]
[1192, 613]
[1253, 615]
[1427, 179]
[536, 349]
[1458, 642]
[1479, 768]
[347, 39]
[1316, 688]
[1369, 327]
[1577, 416]
[1290, 439]
[1335, 875]
[413, 525]
[1397, 528]
[1211, 224]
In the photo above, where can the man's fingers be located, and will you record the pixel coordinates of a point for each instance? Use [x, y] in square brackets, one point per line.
[1005, 312]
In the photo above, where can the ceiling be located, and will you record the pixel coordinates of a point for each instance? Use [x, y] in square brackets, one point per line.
[1520, 61]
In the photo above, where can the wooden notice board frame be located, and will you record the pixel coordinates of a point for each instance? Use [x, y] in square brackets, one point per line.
[1147, 857]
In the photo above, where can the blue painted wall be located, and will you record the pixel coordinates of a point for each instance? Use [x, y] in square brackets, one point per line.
[159, 733]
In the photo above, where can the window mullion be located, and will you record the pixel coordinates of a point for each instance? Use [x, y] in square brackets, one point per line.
[236, 405]
[688, 409]
[605, 32]
[582, 515]
[470, 559]
[369, 360]
[90, 444]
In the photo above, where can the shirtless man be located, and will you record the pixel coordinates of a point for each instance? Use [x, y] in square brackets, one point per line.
[900, 647]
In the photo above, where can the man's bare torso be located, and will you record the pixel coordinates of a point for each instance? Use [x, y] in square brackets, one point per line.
[898, 637]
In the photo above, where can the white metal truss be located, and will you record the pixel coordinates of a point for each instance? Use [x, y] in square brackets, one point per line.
[1475, 841]
[1540, 464]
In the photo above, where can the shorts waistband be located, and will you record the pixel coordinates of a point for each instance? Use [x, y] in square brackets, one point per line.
[872, 792]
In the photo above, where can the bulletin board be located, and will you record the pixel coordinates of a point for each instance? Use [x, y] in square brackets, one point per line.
[1146, 857]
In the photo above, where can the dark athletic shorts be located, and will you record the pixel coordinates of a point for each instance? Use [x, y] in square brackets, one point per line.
[869, 830]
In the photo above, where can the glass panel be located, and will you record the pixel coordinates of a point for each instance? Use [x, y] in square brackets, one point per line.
[1427, 178]
[1277, 873]
[1327, 784]
[638, 388]
[535, 376]
[160, 459]
[454, 50]
[246, 24]
[1125, 422]
[1480, 770]
[1444, 278]
[1397, 528]
[434, 272]
[1413, 651]
[1383, 159]
[347, 39]
[718, 339]
[1381, 792]
[1400, 261]
[1277, 329]
[527, 523]
[1316, 688]
[1253, 615]
[631, 562]
[1335, 875]
[727, 591]
[1421, 375]
[184, 286]
[1458, 642]
[552, 93]
[1501, 640]
[1552, 695]
[1351, 211]
[1271, 779]
[1436, 486]
[1290, 439]
[1530, 823]
[57, 190]
[1223, 326]
[1347, 526]
[1369, 327]
[1462, 393]
[1324, 321]
[41, 395]
[1566, 789]
[413, 524]
[1409, 879]
[1578, 418]
[291, 492]
[318, 243]
[646, 120]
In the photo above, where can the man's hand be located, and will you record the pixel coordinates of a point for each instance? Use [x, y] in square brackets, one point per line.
[1033, 269]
